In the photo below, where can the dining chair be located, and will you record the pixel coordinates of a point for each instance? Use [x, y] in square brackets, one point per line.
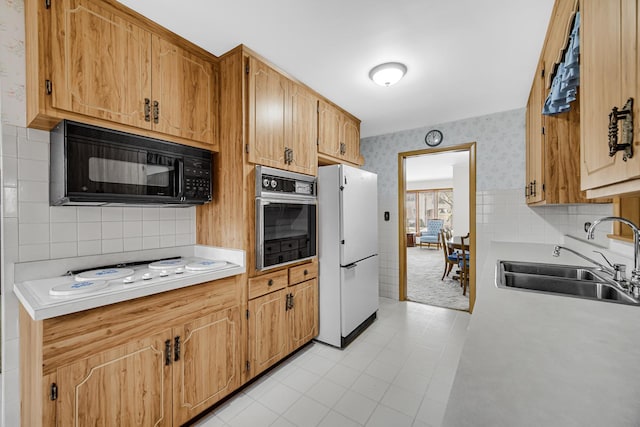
[463, 263]
[450, 257]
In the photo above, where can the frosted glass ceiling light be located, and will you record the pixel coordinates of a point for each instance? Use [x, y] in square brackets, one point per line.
[388, 74]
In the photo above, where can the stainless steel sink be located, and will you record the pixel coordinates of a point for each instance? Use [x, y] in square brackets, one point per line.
[576, 281]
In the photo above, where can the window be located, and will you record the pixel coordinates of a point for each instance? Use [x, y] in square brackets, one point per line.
[422, 205]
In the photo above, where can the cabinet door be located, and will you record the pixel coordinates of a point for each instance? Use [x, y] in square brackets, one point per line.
[329, 127]
[535, 142]
[303, 130]
[128, 385]
[267, 114]
[303, 315]
[208, 362]
[267, 331]
[184, 93]
[351, 140]
[608, 74]
[101, 63]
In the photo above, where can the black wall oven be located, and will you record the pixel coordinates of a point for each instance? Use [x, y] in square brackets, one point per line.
[286, 217]
[97, 166]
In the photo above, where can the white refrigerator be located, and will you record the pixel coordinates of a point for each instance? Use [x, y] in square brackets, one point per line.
[348, 252]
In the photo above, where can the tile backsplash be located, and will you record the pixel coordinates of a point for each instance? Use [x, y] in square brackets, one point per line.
[49, 232]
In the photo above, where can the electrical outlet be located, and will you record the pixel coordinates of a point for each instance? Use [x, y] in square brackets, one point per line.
[586, 226]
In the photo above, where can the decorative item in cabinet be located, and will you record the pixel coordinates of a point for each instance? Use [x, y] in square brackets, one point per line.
[282, 118]
[338, 134]
[608, 73]
[113, 67]
[629, 208]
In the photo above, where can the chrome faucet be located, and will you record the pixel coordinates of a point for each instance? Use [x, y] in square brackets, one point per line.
[634, 284]
[612, 271]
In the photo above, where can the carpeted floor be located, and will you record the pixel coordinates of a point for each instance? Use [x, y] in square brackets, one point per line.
[424, 284]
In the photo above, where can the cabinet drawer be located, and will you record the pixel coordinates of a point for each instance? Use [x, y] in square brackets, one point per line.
[303, 272]
[268, 283]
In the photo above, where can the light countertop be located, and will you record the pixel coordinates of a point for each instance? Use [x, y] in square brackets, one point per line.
[533, 359]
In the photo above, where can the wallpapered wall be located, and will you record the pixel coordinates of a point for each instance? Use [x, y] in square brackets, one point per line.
[12, 65]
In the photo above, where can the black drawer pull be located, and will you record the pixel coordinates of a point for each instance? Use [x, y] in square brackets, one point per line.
[270, 282]
[305, 272]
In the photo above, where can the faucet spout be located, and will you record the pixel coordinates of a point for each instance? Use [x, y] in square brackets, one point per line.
[635, 274]
[558, 248]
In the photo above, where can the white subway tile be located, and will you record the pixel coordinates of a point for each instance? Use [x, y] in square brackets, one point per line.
[183, 239]
[89, 247]
[167, 214]
[10, 201]
[111, 230]
[33, 170]
[21, 132]
[132, 229]
[34, 252]
[12, 354]
[185, 213]
[183, 227]
[63, 213]
[9, 129]
[168, 227]
[38, 135]
[150, 228]
[10, 313]
[33, 191]
[192, 239]
[9, 144]
[112, 246]
[167, 241]
[110, 214]
[32, 150]
[89, 231]
[10, 240]
[30, 213]
[132, 243]
[64, 232]
[10, 171]
[64, 250]
[89, 214]
[132, 214]
[30, 234]
[151, 242]
[151, 214]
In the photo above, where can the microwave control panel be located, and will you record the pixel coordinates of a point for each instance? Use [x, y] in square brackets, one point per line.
[197, 179]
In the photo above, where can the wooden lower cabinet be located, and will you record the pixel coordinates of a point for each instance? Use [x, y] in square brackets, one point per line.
[154, 361]
[283, 320]
[128, 385]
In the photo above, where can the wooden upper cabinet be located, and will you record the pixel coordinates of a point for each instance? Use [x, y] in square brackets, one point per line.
[183, 89]
[282, 121]
[338, 134]
[535, 144]
[303, 129]
[608, 78]
[101, 63]
[267, 114]
[207, 364]
[128, 383]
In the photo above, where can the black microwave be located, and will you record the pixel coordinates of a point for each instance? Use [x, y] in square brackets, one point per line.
[95, 166]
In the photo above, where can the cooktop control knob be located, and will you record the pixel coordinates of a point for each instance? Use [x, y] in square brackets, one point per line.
[147, 276]
[265, 182]
[128, 279]
[179, 270]
[164, 273]
[274, 183]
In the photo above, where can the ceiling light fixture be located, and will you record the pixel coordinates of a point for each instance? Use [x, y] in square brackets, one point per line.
[388, 74]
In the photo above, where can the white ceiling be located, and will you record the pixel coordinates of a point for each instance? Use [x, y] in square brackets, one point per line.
[432, 167]
[464, 57]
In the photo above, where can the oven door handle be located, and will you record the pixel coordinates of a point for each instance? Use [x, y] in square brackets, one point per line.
[263, 201]
[180, 177]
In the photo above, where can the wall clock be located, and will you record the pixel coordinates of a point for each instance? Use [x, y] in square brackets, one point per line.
[433, 138]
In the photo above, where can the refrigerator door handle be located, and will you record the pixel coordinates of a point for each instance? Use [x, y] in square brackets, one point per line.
[350, 266]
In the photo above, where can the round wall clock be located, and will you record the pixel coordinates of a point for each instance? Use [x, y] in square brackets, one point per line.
[433, 138]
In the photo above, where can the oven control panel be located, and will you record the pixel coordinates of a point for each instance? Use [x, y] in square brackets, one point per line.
[286, 182]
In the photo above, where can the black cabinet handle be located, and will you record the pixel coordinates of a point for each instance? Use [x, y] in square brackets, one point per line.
[290, 301]
[167, 352]
[156, 111]
[305, 272]
[176, 349]
[147, 110]
[270, 282]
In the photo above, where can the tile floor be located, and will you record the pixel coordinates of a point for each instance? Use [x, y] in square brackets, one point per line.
[398, 373]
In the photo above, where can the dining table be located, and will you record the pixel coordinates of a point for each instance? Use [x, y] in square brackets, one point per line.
[455, 243]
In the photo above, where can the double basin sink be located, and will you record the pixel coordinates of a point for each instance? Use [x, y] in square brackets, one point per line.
[569, 280]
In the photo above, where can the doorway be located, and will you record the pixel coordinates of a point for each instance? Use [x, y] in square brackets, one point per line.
[416, 204]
